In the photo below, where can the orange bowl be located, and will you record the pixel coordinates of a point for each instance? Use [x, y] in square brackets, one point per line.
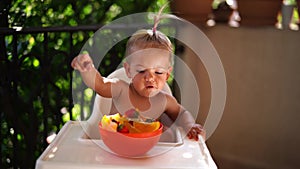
[130, 144]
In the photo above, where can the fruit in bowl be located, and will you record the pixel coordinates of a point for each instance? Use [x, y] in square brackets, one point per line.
[129, 136]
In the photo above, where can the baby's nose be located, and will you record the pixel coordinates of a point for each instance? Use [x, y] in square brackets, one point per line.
[149, 76]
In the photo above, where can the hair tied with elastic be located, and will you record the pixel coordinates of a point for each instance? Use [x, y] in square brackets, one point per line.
[157, 19]
[159, 16]
[154, 31]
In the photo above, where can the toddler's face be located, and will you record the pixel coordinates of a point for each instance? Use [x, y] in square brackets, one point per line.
[149, 70]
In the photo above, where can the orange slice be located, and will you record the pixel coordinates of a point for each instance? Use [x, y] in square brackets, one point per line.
[131, 128]
[146, 127]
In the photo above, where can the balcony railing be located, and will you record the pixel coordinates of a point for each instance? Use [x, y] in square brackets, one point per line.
[36, 85]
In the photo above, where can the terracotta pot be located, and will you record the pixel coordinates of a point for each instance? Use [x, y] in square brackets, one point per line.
[194, 11]
[259, 12]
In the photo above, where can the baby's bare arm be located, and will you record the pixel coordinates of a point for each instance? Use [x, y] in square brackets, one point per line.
[184, 119]
[175, 111]
[91, 77]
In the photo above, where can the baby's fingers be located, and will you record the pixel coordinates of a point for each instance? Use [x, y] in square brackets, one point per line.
[196, 131]
[193, 134]
[82, 63]
[85, 61]
[84, 58]
[75, 64]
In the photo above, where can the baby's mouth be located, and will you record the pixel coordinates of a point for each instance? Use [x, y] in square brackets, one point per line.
[150, 86]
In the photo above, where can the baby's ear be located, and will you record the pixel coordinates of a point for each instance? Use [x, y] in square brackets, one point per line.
[170, 69]
[127, 69]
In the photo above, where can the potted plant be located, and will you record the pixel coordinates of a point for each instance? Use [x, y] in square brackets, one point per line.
[259, 12]
[195, 11]
[287, 13]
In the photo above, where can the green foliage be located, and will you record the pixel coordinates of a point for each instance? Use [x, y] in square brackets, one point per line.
[31, 13]
[35, 78]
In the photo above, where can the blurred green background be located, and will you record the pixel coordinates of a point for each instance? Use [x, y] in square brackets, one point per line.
[35, 84]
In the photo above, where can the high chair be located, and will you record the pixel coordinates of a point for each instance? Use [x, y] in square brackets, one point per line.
[78, 145]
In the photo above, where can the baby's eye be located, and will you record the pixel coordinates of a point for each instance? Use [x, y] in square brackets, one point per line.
[141, 71]
[160, 71]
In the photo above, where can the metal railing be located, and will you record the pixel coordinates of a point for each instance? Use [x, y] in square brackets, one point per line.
[29, 112]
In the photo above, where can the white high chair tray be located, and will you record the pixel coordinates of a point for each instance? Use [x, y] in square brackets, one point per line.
[70, 150]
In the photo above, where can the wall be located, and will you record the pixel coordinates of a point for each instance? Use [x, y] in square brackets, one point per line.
[260, 124]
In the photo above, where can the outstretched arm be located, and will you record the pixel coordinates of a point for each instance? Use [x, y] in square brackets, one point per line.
[183, 118]
[91, 77]
[193, 129]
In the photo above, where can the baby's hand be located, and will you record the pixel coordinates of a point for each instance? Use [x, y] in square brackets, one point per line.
[82, 63]
[195, 130]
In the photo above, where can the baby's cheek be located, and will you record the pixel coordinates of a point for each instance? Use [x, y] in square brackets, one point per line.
[163, 80]
[133, 74]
